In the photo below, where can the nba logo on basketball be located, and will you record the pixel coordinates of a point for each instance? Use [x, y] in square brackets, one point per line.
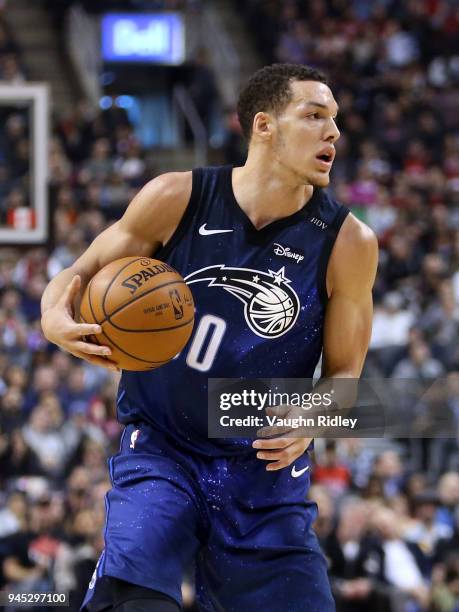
[176, 303]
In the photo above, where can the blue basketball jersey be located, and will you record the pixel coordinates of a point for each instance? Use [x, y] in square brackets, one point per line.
[260, 299]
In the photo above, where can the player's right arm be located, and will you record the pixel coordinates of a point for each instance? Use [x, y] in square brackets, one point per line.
[149, 222]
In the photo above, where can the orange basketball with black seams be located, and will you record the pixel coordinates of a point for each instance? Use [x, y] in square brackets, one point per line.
[145, 309]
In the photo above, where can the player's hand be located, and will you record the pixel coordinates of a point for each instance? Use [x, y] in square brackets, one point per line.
[283, 450]
[60, 328]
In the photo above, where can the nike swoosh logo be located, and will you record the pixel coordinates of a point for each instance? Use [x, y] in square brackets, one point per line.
[207, 232]
[296, 473]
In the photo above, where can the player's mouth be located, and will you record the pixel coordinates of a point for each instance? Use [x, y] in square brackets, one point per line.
[325, 157]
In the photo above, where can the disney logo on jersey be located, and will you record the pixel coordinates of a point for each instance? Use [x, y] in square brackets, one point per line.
[271, 306]
[286, 251]
[135, 281]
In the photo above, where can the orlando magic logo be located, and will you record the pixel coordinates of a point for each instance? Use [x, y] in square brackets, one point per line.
[271, 306]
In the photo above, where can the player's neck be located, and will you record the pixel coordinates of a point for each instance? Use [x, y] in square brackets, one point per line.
[266, 193]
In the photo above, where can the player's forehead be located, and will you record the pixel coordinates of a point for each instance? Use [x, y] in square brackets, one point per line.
[306, 94]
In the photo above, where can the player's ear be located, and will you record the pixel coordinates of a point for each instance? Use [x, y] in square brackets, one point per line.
[263, 126]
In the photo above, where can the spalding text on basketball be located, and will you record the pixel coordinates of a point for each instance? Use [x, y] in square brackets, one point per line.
[134, 282]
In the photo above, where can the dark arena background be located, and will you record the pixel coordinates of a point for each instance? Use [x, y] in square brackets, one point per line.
[99, 96]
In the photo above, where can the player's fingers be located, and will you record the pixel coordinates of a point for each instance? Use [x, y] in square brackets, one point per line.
[276, 465]
[266, 432]
[280, 410]
[288, 454]
[95, 360]
[271, 455]
[92, 349]
[272, 443]
[87, 329]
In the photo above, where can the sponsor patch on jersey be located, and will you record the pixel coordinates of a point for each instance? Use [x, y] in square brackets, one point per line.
[321, 224]
[283, 251]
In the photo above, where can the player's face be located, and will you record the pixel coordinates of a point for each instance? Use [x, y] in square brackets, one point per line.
[305, 133]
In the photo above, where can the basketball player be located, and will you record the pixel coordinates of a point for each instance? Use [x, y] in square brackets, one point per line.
[238, 510]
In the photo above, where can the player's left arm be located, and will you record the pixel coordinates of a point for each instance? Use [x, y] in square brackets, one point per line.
[350, 278]
[347, 330]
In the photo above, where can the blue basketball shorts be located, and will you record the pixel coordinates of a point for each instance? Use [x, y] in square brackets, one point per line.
[246, 530]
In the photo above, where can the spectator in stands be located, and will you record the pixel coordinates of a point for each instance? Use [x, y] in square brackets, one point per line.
[391, 324]
[419, 364]
[7, 44]
[60, 168]
[100, 164]
[71, 248]
[50, 436]
[10, 70]
[343, 548]
[13, 516]
[445, 596]
[331, 473]
[17, 457]
[76, 558]
[76, 395]
[387, 558]
[28, 554]
[402, 260]
[324, 521]
[388, 468]
[425, 532]
[234, 147]
[440, 321]
[203, 89]
[448, 491]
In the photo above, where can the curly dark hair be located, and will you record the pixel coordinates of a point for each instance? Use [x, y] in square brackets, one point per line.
[268, 89]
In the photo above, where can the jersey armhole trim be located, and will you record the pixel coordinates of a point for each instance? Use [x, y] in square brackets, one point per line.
[164, 251]
[332, 234]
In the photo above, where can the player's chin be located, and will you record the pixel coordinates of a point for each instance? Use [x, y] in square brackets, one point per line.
[320, 179]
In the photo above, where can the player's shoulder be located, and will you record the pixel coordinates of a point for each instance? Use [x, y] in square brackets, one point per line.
[160, 204]
[354, 258]
[177, 184]
[171, 183]
[356, 236]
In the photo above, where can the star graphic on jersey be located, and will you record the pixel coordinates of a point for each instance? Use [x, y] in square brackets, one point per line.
[224, 279]
[256, 278]
[279, 276]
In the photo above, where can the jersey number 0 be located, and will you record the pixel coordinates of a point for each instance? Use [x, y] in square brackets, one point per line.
[206, 342]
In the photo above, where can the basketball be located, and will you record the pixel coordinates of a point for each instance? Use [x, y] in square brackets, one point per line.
[145, 309]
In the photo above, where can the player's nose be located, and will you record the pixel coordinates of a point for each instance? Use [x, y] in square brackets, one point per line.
[332, 132]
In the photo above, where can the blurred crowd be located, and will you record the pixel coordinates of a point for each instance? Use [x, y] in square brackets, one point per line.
[389, 519]
[390, 536]
[11, 70]
[14, 135]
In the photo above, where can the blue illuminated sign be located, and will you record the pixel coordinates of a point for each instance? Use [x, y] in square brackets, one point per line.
[133, 37]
